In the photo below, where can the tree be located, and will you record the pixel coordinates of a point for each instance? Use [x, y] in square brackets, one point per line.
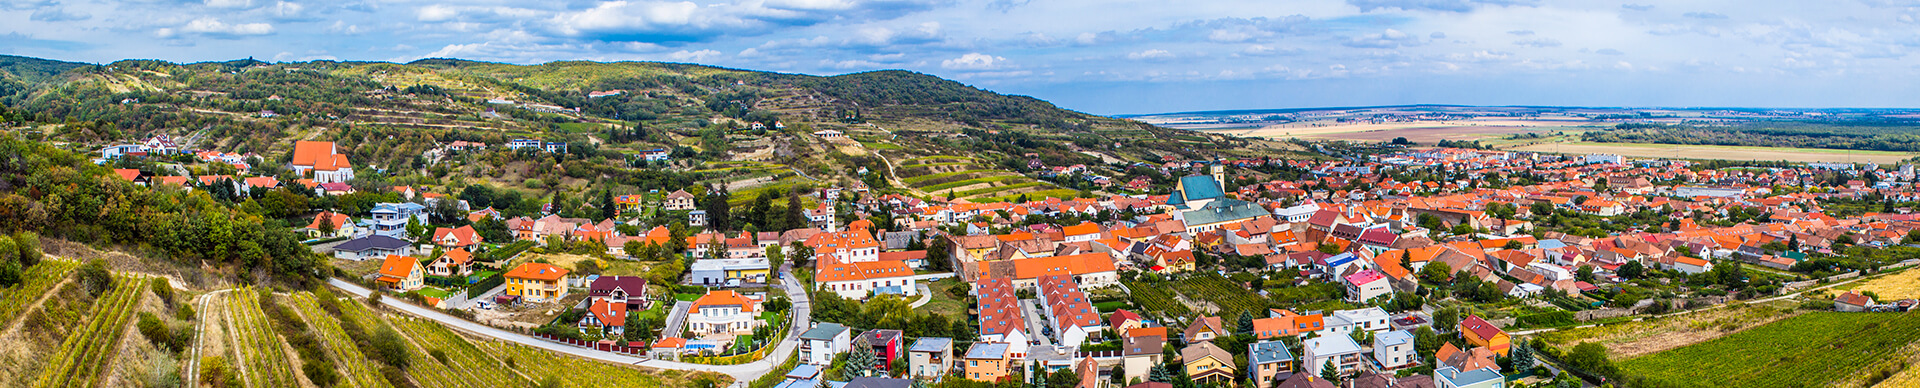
[1063, 378]
[1631, 270]
[28, 245]
[1426, 342]
[9, 273]
[1591, 357]
[795, 218]
[1246, 322]
[1428, 221]
[1513, 244]
[1540, 208]
[1462, 229]
[1436, 272]
[325, 222]
[1330, 372]
[775, 258]
[1585, 274]
[1447, 318]
[607, 209]
[95, 277]
[633, 247]
[1360, 336]
[1327, 248]
[1119, 374]
[861, 362]
[1158, 373]
[1520, 355]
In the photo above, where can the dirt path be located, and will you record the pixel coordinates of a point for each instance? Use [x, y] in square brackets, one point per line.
[199, 334]
[22, 319]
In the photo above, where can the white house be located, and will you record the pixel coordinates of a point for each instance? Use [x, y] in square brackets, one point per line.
[1394, 350]
[819, 344]
[1366, 285]
[1342, 322]
[1346, 355]
[724, 313]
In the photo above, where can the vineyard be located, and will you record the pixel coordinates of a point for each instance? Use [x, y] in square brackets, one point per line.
[1814, 349]
[465, 365]
[359, 371]
[36, 281]
[82, 355]
[1153, 296]
[264, 362]
[1232, 298]
[581, 373]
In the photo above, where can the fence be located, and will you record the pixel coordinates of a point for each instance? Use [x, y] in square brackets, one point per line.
[604, 346]
[1611, 312]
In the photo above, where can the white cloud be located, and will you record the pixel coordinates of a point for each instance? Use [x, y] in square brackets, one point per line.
[973, 61]
[694, 56]
[436, 13]
[215, 28]
[229, 3]
[1153, 54]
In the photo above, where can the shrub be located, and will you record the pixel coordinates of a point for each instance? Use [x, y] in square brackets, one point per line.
[163, 289]
[95, 277]
[185, 312]
[28, 246]
[215, 372]
[389, 348]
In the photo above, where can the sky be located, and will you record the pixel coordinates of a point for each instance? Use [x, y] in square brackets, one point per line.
[1096, 56]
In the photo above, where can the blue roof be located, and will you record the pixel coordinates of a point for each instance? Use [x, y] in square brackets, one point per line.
[1551, 244]
[823, 331]
[987, 350]
[1268, 352]
[1200, 187]
[1467, 378]
[1341, 258]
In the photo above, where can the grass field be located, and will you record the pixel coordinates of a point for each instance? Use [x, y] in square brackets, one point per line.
[1902, 285]
[1634, 339]
[1721, 152]
[974, 181]
[948, 298]
[1815, 349]
[1033, 196]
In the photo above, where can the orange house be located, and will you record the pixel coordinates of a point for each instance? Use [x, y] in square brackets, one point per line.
[1479, 332]
[986, 361]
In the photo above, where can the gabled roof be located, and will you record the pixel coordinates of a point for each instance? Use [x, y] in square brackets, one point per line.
[398, 267]
[608, 313]
[537, 271]
[723, 298]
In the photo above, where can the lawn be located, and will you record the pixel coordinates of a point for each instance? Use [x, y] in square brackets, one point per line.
[686, 297]
[1815, 349]
[949, 298]
[433, 292]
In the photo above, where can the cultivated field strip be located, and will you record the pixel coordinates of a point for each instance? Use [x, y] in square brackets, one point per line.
[81, 356]
[34, 283]
[359, 371]
[470, 366]
[576, 372]
[264, 360]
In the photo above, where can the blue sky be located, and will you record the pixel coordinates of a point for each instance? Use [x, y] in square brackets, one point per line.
[1097, 56]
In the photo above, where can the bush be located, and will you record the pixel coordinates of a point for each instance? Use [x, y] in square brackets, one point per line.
[485, 285]
[95, 277]
[28, 246]
[389, 348]
[161, 335]
[215, 372]
[185, 312]
[163, 289]
[9, 273]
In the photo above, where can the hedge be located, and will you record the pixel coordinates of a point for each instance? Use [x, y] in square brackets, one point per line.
[486, 285]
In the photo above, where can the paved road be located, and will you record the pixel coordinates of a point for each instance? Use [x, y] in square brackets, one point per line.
[741, 373]
[926, 295]
[677, 319]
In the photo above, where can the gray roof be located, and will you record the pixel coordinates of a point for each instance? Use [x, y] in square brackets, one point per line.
[931, 344]
[1330, 345]
[824, 331]
[878, 382]
[1393, 338]
[1267, 352]
[376, 241]
[987, 350]
[1465, 378]
[1223, 210]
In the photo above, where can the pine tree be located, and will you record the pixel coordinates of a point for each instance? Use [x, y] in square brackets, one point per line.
[1521, 356]
[862, 362]
[1246, 322]
[1158, 373]
[1330, 373]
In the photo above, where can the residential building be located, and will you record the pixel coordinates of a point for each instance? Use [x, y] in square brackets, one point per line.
[372, 247]
[724, 313]
[1449, 377]
[1342, 322]
[885, 344]
[1478, 332]
[819, 344]
[628, 290]
[1268, 361]
[454, 262]
[1366, 285]
[678, 200]
[462, 237]
[729, 272]
[1305, 380]
[1205, 329]
[341, 224]
[858, 280]
[537, 282]
[930, 358]
[1394, 350]
[609, 317]
[1208, 364]
[1346, 355]
[1068, 311]
[390, 219]
[987, 361]
[401, 273]
[1852, 302]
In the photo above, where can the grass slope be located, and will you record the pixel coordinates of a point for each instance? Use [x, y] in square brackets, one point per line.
[1815, 349]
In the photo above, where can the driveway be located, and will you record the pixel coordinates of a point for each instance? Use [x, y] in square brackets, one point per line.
[741, 373]
[677, 318]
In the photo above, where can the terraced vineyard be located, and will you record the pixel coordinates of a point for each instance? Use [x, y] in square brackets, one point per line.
[81, 357]
[359, 371]
[263, 362]
[581, 373]
[1814, 349]
[466, 364]
[35, 282]
[965, 178]
[1154, 296]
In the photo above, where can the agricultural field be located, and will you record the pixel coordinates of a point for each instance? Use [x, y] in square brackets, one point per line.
[358, 371]
[1231, 298]
[80, 358]
[259, 355]
[1721, 152]
[33, 284]
[1896, 286]
[964, 178]
[579, 373]
[464, 365]
[1813, 349]
[1633, 339]
[1154, 296]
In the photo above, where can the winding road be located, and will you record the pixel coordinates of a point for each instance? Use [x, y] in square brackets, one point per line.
[741, 373]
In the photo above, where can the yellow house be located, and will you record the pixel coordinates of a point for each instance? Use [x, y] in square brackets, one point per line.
[1479, 332]
[1207, 363]
[537, 282]
[986, 361]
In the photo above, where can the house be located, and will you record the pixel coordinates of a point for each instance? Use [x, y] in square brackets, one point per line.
[628, 290]
[729, 272]
[678, 200]
[1284, 323]
[859, 280]
[885, 344]
[341, 224]
[1394, 350]
[1139, 354]
[372, 247]
[321, 161]
[1372, 319]
[391, 218]
[1001, 319]
[1691, 266]
[1450, 377]
[1068, 311]
[819, 344]
[929, 358]
[1366, 285]
[453, 262]
[1122, 320]
[1268, 361]
[986, 361]
[668, 348]
[537, 282]
[462, 237]
[1305, 380]
[1205, 329]
[724, 313]
[401, 273]
[609, 317]
[877, 382]
[1479, 332]
[1852, 302]
[1470, 359]
[1345, 354]
[1206, 363]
